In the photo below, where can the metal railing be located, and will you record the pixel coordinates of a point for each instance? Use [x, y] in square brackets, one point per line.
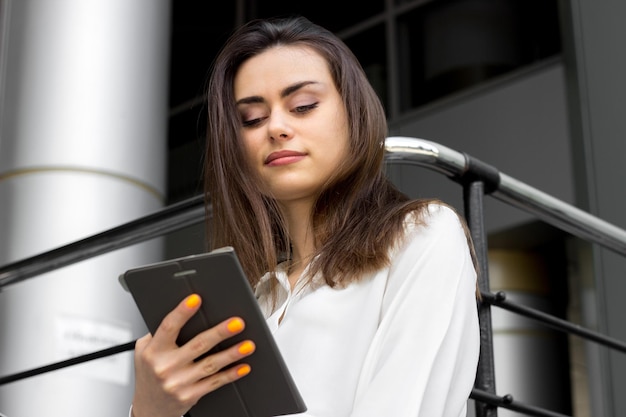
[477, 179]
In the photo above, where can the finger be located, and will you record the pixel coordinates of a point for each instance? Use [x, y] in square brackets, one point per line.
[223, 378]
[142, 342]
[215, 371]
[168, 330]
[218, 361]
[208, 339]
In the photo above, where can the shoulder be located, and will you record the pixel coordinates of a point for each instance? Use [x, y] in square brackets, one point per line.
[435, 234]
[435, 220]
[434, 254]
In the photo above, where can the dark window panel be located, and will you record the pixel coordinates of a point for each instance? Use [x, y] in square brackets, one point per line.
[199, 28]
[449, 45]
[333, 15]
[370, 49]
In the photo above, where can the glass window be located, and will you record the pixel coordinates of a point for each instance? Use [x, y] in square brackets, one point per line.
[333, 15]
[198, 31]
[448, 45]
[370, 49]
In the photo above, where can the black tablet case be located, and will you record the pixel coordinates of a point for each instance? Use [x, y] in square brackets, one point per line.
[219, 279]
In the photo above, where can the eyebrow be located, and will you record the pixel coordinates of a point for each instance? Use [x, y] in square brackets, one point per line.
[284, 93]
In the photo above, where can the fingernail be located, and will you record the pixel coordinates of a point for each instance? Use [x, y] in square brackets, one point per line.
[246, 347]
[243, 370]
[235, 325]
[192, 301]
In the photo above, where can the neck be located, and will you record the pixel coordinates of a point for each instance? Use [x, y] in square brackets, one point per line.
[298, 218]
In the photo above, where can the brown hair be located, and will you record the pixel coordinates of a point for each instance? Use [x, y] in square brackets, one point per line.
[356, 219]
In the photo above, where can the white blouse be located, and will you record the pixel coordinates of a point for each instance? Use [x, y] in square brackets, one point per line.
[403, 342]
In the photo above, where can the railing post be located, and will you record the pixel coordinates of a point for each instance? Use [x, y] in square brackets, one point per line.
[473, 193]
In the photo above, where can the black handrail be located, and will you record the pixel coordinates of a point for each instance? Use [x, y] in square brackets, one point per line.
[460, 167]
[499, 299]
[114, 350]
[507, 401]
[168, 219]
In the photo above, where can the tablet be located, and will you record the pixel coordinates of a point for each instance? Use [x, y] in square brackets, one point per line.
[218, 278]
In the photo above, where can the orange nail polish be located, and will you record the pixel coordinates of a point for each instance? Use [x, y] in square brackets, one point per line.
[235, 325]
[243, 370]
[246, 347]
[192, 301]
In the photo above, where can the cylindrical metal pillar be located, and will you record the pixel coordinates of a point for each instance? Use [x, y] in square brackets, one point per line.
[530, 358]
[83, 118]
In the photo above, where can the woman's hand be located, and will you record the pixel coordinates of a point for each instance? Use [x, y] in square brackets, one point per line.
[167, 380]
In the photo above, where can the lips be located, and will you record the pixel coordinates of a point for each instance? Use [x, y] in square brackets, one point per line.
[282, 157]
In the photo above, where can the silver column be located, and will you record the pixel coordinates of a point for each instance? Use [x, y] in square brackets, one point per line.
[530, 359]
[83, 119]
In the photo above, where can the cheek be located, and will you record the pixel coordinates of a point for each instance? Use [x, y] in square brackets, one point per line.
[340, 121]
[343, 152]
[250, 147]
[343, 132]
[250, 159]
[253, 153]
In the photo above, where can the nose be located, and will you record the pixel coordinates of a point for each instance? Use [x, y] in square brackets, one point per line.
[279, 127]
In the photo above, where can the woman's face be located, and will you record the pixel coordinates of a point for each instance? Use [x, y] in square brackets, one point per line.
[294, 124]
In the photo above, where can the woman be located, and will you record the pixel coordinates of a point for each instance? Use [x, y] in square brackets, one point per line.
[369, 295]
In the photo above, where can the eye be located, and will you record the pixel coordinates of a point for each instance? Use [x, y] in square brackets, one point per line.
[305, 109]
[252, 122]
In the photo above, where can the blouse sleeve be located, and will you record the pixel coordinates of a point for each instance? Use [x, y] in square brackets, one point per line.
[422, 362]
